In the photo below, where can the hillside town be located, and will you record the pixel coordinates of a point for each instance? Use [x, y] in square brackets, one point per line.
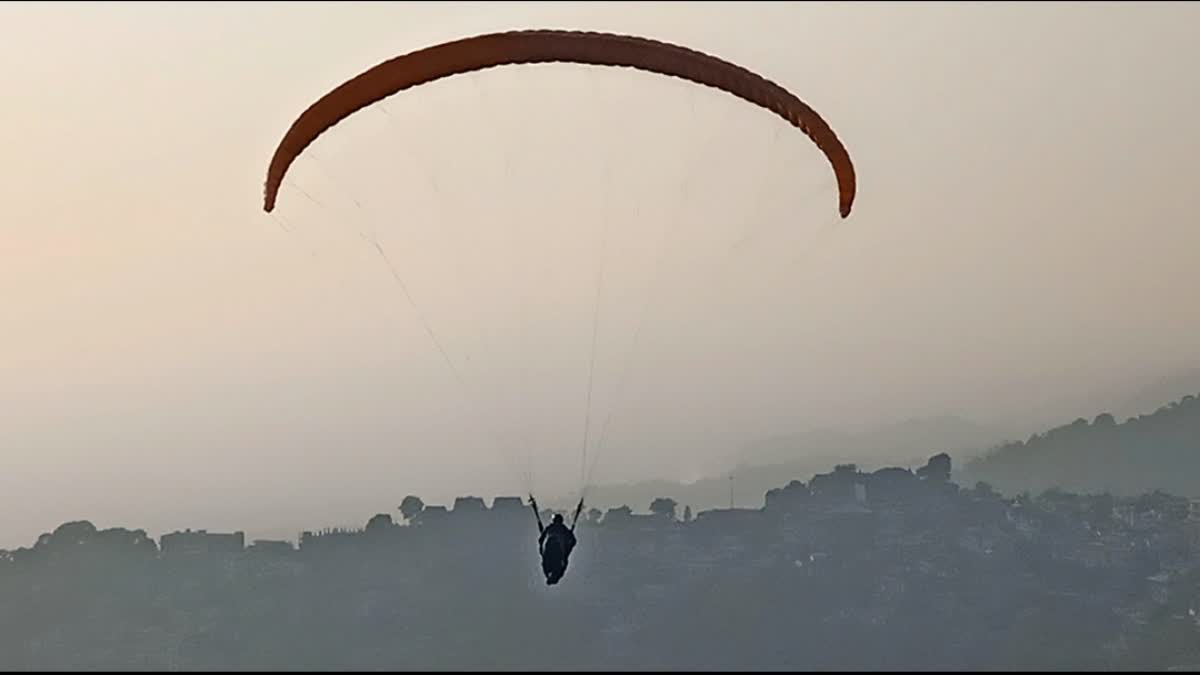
[893, 568]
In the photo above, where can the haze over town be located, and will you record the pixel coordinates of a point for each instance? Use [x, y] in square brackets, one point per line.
[1022, 251]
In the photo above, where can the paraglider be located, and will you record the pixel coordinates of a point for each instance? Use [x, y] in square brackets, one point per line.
[547, 46]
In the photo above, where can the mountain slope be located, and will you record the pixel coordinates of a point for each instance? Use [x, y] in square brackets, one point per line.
[1160, 450]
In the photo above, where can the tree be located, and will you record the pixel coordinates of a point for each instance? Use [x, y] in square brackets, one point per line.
[620, 513]
[937, 469]
[664, 507]
[123, 541]
[985, 491]
[379, 522]
[71, 534]
[411, 507]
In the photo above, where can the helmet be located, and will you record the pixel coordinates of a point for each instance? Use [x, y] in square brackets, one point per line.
[558, 519]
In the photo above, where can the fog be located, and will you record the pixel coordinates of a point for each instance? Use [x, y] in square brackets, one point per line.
[1022, 248]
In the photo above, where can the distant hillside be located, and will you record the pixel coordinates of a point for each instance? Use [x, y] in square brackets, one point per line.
[1124, 395]
[910, 440]
[772, 462]
[1160, 450]
[1152, 394]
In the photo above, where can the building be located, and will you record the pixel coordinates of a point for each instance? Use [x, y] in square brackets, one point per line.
[201, 542]
[272, 546]
[1194, 509]
[432, 515]
[464, 505]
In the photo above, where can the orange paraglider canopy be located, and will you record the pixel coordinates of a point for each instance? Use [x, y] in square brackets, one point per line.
[544, 46]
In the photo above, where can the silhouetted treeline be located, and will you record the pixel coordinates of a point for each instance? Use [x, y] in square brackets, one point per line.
[885, 570]
[1148, 452]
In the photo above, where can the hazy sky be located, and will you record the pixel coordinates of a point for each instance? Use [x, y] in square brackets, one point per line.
[171, 356]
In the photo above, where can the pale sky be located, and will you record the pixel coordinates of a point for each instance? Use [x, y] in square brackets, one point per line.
[171, 356]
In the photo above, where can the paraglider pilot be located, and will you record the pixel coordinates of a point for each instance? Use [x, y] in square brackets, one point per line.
[555, 542]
